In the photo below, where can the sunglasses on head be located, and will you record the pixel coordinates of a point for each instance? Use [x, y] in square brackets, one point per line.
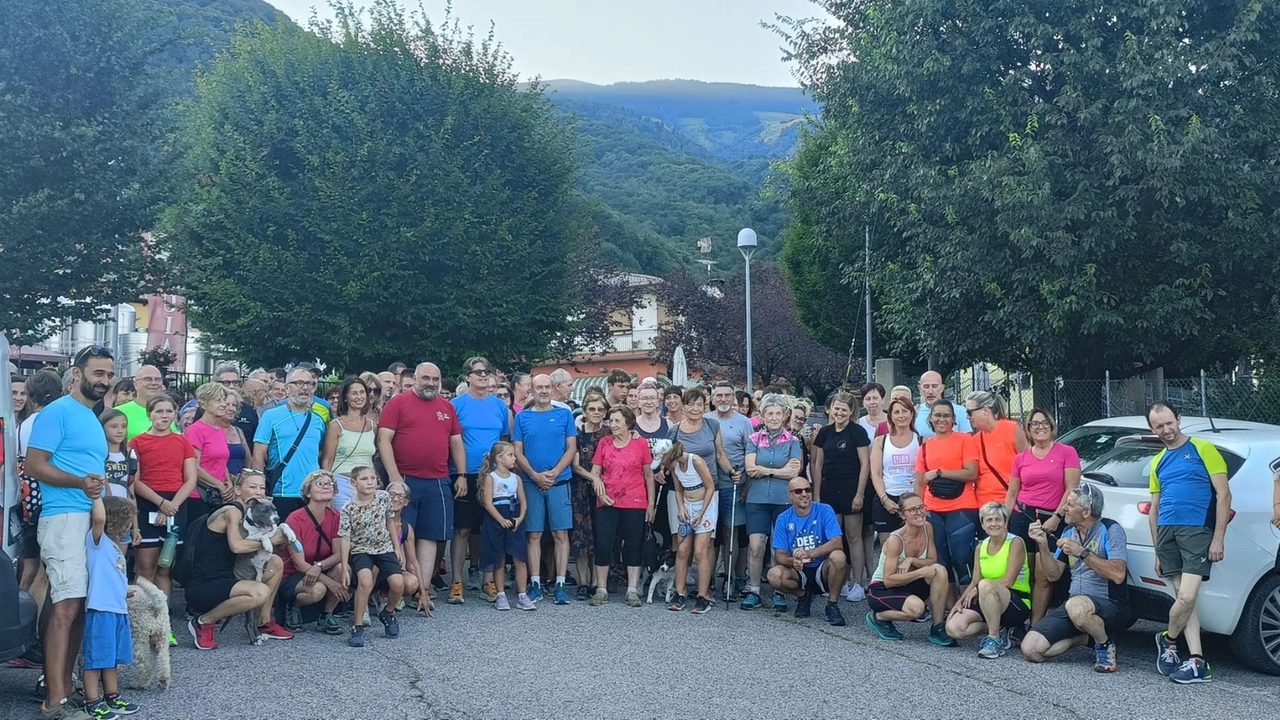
[91, 351]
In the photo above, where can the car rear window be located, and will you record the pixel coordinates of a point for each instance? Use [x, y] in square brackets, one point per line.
[1129, 465]
[1094, 441]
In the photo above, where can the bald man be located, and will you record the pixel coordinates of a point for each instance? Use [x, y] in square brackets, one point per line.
[418, 435]
[931, 388]
[546, 441]
[148, 383]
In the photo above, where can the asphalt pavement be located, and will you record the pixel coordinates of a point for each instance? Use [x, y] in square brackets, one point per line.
[577, 661]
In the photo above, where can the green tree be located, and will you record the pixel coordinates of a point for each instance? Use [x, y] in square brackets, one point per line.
[82, 126]
[1059, 187]
[378, 188]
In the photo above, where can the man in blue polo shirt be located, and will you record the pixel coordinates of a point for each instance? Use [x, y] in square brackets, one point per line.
[807, 557]
[67, 454]
[287, 444]
[485, 420]
[1190, 505]
[546, 441]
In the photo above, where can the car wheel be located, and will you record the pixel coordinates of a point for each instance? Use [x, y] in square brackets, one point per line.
[1256, 640]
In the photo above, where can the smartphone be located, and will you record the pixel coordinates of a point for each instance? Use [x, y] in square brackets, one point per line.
[153, 518]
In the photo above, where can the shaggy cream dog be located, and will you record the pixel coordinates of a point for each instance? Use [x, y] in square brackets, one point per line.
[149, 620]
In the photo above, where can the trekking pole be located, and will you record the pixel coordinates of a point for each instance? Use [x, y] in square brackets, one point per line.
[732, 540]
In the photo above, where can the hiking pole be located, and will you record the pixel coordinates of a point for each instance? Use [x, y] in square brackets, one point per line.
[732, 540]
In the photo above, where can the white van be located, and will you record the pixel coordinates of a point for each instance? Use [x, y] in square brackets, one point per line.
[17, 609]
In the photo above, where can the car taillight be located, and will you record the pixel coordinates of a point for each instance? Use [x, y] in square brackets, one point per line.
[1144, 508]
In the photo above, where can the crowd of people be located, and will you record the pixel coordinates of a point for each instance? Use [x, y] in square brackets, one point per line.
[390, 482]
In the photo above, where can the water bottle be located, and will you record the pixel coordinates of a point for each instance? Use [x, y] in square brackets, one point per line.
[170, 547]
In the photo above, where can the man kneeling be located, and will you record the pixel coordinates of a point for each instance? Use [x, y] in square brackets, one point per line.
[806, 552]
[1098, 606]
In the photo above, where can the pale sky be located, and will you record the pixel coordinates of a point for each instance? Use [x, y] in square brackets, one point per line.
[607, 41]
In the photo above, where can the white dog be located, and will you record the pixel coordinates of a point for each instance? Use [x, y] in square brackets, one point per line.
[149, 622]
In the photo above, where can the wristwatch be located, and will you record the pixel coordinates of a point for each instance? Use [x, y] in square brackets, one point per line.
[320, 564]
[1084, 553]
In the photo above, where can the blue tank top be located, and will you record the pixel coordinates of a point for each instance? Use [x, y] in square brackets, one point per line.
[235, 463]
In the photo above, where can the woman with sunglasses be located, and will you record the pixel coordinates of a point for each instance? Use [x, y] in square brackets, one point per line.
[908, 576]
[349, 441]
[999, 440]
[314, 573]
[1040, 481]
[373, 388]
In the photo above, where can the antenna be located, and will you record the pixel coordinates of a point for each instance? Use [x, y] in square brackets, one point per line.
[704, 247]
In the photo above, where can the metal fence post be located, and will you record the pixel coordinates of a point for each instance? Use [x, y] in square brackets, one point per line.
[1107, 393]
[1204, 398]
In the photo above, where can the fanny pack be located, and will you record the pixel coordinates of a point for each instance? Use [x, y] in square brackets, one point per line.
[943, 488]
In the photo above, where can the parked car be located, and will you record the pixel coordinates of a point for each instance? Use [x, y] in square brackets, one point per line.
[17, 609]
[1242, 598]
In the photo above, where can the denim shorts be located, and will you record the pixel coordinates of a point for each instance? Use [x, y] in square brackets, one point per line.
[550, 509]
[108, 640]
[761, 517]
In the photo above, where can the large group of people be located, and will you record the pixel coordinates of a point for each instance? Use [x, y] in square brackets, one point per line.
[939, 512]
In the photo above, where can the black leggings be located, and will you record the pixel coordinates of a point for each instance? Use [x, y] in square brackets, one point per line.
[612, 522]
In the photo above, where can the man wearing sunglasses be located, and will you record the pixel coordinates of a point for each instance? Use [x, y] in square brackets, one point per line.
[228, 376]
[67, 454]
[807, 557]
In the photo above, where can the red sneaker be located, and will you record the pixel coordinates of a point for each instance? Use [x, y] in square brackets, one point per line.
[273, 631]
[203, 635]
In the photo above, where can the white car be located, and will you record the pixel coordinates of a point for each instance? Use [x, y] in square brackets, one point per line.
[1242, 597]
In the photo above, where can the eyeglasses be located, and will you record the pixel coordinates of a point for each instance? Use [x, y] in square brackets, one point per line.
[229, 383]
[914, 510]
[303, 383]
[802, 491]
[91, 351]
[1039, 424]
[322, 484]
[397, 495]
[482, 372]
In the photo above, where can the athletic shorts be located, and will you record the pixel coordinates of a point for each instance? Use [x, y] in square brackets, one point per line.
[289, 585]
[108, 640]
[882, 598]
[430, 508]
[386, 563]
[467, 513]
[881, 519]
[63, 553]
[1058, 626]
[693, 507]
[497, 542]
[1183, 549]
[550, 509]
[209, 594]
[1015, 613]
[153, 535]
[811, 578]
[761, 517]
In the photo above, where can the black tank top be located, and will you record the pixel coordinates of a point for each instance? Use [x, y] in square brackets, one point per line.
[213, 557]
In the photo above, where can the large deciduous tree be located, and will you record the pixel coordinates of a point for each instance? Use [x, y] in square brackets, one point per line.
[1057, 187]
[81, 127]
[710, 323]
[378, 188]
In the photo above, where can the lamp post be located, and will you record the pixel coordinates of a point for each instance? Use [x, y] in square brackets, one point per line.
[747, 246]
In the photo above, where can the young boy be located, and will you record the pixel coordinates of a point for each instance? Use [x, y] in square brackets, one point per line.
[108, 639]
[368, 524]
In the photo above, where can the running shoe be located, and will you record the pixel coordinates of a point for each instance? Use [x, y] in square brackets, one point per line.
[455, 594]
[173, 640]
[601, 597]
[585, 593]
[489, 592]
[473, 579]
[701, 605]
[562, 594]
[1167, 660]
[883, 628]
[803, 605]
[633, 599]
[437, 582]
[1006, 638]
[570, 581]
[677, 604]
[1105, 657]
[927, 617]
[357, 637]
[293, 618]
[535, 591]
[203, 634]
[835, 618]
[938, 636]
[25, 663]
[273, 631]
[991, 648]
[779, 602]
[329, 625]
[750, 601]
[120, 706]
[1194, 670]
[501, 602]
[524, 602]
[99, 711]
[390, 625]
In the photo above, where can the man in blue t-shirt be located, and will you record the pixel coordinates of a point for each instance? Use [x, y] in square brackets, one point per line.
[807, 557]
[279, 429]
[485, 420]
[1190, 506]
[67, 454]
[546, 441]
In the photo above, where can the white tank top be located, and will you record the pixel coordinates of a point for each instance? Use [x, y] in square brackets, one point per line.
[899, 465]
[504, 488]
[689, 477]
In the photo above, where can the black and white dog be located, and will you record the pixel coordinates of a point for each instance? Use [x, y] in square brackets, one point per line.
[659, 566]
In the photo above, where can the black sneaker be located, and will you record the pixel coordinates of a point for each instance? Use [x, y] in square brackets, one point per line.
[938, 636]
[701, 606]
[677, 604]
[833, 615]
[438, 583]
[389, 624]
[585, 593]
[803, 605]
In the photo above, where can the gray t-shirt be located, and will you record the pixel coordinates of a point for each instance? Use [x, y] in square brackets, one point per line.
[1108, 543]
[701, 443]
[735, 435]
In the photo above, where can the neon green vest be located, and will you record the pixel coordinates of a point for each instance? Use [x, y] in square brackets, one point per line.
[994, 567]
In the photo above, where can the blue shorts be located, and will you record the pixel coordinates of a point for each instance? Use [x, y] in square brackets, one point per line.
[430, 508]
[496, 542]
[761, 517]
[728, 513]
[108, 640]
[548, 509]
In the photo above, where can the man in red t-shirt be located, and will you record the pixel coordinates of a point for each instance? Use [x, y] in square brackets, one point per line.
[418, 433]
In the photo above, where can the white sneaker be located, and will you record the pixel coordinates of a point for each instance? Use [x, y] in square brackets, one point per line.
[856, 594]
[502, 603]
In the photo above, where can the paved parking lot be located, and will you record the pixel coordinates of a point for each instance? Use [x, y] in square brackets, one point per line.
[620, 662]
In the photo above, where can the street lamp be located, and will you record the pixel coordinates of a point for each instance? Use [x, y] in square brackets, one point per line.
[747, 246]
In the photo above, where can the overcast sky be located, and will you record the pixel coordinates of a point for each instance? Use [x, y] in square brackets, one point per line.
[606, 41]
